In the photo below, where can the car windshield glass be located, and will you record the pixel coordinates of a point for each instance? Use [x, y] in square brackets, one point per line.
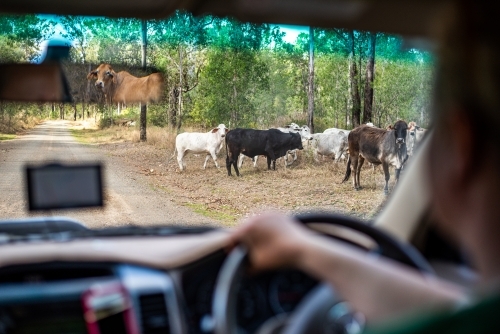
[134, 86]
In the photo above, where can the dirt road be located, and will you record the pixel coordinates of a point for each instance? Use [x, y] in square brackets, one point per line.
[129, 200]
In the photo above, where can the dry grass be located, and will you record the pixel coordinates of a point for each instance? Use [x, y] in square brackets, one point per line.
[303, 187]
[17, 124]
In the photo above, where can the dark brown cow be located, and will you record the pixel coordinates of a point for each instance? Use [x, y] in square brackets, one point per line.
[123, 87]
[377, 146]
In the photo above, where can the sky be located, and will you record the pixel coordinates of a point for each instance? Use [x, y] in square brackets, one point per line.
[292, 32]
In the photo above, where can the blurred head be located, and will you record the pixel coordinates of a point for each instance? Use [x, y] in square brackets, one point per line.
[465, 154]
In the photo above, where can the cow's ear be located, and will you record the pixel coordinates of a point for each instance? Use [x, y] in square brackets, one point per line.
[113, 75]
[214, 130]
[92, 75]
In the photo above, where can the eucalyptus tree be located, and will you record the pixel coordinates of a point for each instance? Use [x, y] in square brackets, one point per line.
[177, 48]
[235, 73]
[21, 36]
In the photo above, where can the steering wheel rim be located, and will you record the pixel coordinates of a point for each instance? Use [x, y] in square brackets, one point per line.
[227, 284]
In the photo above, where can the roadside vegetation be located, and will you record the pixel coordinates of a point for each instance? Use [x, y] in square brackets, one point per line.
[220, 70]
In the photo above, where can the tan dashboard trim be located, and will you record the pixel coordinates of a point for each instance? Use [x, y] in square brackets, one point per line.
[165, 252]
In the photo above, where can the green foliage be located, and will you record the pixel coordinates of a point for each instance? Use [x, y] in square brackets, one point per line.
[227, 86]
[220, 70]
[21, 35]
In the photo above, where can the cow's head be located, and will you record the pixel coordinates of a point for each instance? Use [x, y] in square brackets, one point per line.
[296, 142]
[220, 129]
[104, 76]
[305, 132]
[400, 129]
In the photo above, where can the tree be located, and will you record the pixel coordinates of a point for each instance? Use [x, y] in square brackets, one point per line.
[177, 41]
[143, 119]
[21, 36]
[370, 70]
[355, 99]
[310, 91]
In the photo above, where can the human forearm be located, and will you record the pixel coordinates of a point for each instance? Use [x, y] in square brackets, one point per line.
[378, 287]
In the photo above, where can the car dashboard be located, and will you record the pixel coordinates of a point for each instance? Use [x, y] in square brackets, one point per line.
[58, 287]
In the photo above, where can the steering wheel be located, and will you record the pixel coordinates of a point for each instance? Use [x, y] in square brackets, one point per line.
[322, 301]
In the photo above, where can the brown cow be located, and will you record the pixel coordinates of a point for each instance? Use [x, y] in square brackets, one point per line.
[377, 146]
[123, 87]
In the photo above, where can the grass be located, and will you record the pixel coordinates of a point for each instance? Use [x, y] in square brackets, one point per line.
[219, 215]
[7, 136]
[90, 134]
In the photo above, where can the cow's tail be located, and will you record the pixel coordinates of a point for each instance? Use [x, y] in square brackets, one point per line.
[227, 151]
[172, 156]
[348, 171]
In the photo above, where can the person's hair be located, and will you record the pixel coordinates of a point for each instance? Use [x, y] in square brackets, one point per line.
[468, 72]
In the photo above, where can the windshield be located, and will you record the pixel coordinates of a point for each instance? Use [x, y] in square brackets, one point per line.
[211, 72]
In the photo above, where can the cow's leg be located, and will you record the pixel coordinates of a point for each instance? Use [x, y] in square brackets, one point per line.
[293, 153]
[268, 162]
[354, 171]
[235, 165]
[231, 161]
[241, 157]
[180, 159]
[255, 160]
[361, 161]
[228, 165]
[398, 171]
[206, 160]
[315, 155]
[385, 166]
[214, 156]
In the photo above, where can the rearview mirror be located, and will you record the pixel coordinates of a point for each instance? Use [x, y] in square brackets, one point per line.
[31, 82]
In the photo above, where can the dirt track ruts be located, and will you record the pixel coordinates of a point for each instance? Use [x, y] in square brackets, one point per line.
[129, 199]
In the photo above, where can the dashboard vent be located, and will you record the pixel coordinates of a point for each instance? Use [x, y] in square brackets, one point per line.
[154, 315]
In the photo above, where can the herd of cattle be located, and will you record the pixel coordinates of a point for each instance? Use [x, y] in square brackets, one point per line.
[386, 147]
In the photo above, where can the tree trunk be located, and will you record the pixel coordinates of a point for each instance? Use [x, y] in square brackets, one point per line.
[310, 90]
[172, 110]
[181, 85]
[370, 70]
[234, 112]
[143, 105]
[353, 83]
[61, 111]
[74, 111]
[143, 122]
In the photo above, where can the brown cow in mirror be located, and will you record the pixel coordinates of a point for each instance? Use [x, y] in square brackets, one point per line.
[123, 87]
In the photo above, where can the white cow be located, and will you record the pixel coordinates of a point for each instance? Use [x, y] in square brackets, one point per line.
[333, 144]
[414, 136]
[210, 142]
[305, 134]
[336, 130]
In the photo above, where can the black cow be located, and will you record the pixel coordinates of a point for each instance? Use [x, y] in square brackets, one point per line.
[378, 146]
[272, 143]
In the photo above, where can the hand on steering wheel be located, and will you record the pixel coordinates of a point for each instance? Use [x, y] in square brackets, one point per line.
[275, 245]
